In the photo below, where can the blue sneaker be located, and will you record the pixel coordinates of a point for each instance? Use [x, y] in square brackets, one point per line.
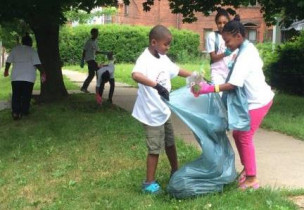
[151, 188]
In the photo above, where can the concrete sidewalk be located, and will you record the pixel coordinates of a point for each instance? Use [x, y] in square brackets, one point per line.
[280, 158]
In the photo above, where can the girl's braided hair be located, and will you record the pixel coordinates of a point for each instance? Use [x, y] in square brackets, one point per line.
[221, 12]
[235, 26]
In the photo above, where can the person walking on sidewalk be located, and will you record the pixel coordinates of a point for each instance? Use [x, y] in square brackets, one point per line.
[25, 61]
[245, 73]
[90, 50]
[153, 71]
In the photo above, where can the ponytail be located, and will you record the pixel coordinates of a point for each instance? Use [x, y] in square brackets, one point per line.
[235, 26]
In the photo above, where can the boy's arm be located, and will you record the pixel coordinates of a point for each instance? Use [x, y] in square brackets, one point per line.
[7, 66]
[82, 59]
[42, 72]
[184, 73]
[102, 52]
[140, 78]
[83, 54]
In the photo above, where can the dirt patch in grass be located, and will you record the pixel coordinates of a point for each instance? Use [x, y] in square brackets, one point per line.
[299, 200]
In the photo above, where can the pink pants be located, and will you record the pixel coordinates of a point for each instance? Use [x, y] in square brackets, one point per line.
[244, 139]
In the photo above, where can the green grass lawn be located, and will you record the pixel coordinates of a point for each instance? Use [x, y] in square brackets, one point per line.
[75, 155]
[286, 115]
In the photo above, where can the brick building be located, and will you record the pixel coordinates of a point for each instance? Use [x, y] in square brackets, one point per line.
[160, 13]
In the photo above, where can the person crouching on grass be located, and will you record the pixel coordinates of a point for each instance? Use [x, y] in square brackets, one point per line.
[153, 71]
[105, 74]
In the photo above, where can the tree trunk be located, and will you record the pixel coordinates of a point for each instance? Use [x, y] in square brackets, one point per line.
[47, 35]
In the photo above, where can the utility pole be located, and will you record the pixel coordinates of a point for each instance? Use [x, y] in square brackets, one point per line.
[276, 34]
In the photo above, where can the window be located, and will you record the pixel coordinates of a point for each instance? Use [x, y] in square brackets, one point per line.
[253, 3]
[252, 35]
[107, 19]
[126, 10]
[207, 31]
[268, 35]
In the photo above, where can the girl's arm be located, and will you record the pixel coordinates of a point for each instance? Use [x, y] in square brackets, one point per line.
[216, 57]
[206, 88]
[184, 73]
[226, 86]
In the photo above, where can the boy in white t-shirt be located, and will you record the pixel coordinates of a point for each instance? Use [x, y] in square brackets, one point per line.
[89, 52]
[153, 71]
[105, 74]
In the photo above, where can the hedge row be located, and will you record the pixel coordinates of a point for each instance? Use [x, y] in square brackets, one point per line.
[286, 72]
[127, 42]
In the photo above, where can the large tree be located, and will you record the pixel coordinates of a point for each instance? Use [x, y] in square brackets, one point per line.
[45, 16]
[284, 10]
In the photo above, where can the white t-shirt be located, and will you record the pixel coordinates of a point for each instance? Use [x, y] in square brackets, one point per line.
[23, 58]
[248, 72]
[90, 48]
[219, 69]
[109, 68]
[149, 108]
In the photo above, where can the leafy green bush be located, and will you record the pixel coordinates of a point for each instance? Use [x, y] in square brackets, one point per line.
[287, 72]
[127, 42]
[268, 56]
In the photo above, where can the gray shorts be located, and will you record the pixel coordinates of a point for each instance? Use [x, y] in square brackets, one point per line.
[158, 137]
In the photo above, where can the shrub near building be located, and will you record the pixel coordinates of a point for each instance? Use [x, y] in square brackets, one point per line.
[127, 42]
[286, 72]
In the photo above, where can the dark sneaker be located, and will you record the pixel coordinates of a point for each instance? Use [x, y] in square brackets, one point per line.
[151, 188]
[16, 116]
[84, 90]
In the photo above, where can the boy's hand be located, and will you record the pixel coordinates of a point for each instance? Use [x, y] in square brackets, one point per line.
[82, 63]
[6, 73]
[43, 77]
[162, 91]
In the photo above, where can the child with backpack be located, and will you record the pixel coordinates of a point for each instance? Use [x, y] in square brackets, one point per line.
[219, 53]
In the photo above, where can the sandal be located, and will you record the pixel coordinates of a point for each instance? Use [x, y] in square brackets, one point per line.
[254, 186]
[242, 177]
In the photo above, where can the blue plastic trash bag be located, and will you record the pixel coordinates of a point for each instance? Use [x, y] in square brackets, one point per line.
[206, 117]
[237, 107]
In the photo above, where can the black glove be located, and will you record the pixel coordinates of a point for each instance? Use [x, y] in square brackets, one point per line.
[162, 91]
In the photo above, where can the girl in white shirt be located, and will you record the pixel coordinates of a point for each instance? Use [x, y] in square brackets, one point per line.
[219, 53]
[247, 73]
